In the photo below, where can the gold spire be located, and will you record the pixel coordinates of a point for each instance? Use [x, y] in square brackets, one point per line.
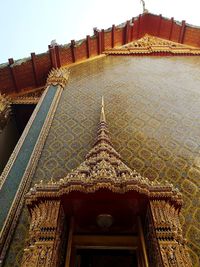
[103, 161]
[103, 167]
[102, 132]
[102, 117]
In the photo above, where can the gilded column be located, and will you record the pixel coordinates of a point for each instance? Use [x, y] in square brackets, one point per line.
[168, 234]
[45, 235]
[152, 245]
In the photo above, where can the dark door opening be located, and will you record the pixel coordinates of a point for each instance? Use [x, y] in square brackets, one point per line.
[106, 258]
[13, 130]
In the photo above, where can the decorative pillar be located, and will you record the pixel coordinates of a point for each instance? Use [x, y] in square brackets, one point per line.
[73, 50]
[171, 28]
[52, 56]
[45, 235]
[23, 161]
[13, 74]
[127, 30]
[132, 28]
[168, 234]
[99, 42]
[102, 41]
[58, 58]
[35, 70]
[113, 36]
[152, 245]
[88, 46]
[138, 26]
[159, 25]
[182, 32]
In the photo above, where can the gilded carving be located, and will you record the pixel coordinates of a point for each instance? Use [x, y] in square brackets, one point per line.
[153, 249]
[58, 77]
[169, 234]
[32, 97]
[103, 168]
[44, 234]
[5, 109]
[151, 45]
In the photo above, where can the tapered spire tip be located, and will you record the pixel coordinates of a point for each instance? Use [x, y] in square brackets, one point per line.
[102, 117]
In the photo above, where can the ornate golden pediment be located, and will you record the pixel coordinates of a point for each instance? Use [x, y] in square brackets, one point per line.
[104, 168]
[152, 45]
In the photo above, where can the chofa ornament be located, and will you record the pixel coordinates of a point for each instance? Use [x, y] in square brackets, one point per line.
[58, 77]
[143, 5]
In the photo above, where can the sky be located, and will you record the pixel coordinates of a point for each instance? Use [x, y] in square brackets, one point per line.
[29, 25]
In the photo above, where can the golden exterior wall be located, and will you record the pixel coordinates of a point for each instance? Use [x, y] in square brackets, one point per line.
[152, 107]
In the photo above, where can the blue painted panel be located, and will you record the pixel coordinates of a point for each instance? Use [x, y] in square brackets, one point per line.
[15, 175]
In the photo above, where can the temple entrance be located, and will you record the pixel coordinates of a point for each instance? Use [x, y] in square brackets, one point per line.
[106, 258]
[105, 250]
[105, 230]
[108, 214]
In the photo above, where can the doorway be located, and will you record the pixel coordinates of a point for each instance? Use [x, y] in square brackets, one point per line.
[106, 258]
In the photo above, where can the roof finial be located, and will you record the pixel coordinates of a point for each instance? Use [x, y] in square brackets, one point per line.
[102, 117]
[143, 4]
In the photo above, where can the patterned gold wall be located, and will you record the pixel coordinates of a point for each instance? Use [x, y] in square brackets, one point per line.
[152, 107]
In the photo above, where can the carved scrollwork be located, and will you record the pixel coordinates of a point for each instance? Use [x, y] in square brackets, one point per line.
[150, 45]
[58, 77]
[32, 97]
[47, 219]
[169, 234]
[103, 168]
[152, 244]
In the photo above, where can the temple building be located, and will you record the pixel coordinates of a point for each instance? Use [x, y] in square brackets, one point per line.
[99, 150]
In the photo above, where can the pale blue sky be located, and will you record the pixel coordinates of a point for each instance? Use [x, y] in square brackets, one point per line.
[29, 25]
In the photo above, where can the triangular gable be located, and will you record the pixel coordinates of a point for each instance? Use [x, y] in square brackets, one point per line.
[150, 45]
